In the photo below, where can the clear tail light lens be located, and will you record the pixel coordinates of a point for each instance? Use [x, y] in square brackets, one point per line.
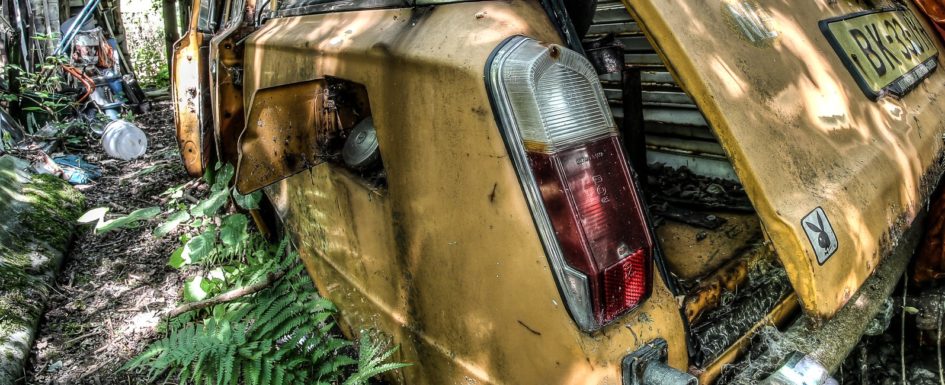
[562, 138]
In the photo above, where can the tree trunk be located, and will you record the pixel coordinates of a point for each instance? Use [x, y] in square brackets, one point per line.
[170, 29]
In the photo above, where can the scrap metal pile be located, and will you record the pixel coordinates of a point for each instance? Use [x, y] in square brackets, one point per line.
[683, 188]
[66, 74]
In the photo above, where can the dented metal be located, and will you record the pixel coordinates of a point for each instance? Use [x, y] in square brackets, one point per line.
[443, 255]
[295, 127]
[226, 78]
[802, 139]
[446, 258]
[189, 92]
[281, 138]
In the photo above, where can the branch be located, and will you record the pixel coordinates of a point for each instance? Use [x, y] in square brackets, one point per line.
[226, 297]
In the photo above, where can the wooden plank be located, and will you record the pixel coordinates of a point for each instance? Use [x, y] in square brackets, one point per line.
[643, 59]
[654, 97]
[628, 28]
[636, 43]
[687, 145]
[679, 116]
[611, 13]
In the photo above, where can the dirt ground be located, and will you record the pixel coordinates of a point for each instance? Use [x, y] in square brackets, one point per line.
[112, 286]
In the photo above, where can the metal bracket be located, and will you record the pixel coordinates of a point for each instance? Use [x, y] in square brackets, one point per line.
[647, 366]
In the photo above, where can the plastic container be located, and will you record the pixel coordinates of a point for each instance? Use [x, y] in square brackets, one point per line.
[124, 140]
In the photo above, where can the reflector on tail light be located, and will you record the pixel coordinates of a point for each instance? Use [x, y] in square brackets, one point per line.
[563, 141]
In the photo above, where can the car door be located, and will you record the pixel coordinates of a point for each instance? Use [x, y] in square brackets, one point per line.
[190, 88]
[226, 76]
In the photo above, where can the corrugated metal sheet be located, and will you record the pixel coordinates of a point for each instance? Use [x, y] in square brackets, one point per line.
[677, 133]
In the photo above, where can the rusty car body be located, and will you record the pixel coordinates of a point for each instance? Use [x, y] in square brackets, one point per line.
[462, 176]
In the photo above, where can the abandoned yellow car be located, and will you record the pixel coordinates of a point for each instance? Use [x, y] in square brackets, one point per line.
[554, 192]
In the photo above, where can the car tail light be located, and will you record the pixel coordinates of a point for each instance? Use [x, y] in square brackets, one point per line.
[571, 164]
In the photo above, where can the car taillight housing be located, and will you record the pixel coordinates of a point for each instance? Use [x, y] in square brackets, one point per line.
[571, 163]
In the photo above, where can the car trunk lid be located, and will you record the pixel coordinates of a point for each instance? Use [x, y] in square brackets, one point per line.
[834, 175]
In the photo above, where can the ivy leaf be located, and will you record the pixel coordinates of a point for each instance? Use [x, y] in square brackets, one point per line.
[177, 260]
[247, 202]
[197, 248]
[221, 181]
[196, 289]
[130, 220]
[171, 223]
[233, 230]
[211, 205]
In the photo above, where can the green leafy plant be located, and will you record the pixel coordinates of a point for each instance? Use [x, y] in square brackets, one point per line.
[132, 220]
[249, 314]
[38, 90]
[282, 335]
[146, 46]
[219, 239]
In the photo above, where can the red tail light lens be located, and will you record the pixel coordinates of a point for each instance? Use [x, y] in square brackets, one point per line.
[588, 193]
[571, 163]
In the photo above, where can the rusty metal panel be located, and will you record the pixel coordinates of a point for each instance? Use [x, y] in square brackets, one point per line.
[189, 86]
[835, 177]
[296, 126]
[280, 139]
[447, 258]
[935, 11]
[226, 78]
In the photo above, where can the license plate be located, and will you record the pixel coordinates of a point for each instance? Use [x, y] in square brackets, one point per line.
[887, 51]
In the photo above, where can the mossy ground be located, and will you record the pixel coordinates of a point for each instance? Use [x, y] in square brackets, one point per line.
[39, 216]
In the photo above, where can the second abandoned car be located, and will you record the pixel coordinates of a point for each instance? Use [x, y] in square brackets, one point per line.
[529, 192]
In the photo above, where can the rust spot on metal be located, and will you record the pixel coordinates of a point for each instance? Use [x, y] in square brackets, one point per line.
[708, 294]
[296, 127]
[554, 52]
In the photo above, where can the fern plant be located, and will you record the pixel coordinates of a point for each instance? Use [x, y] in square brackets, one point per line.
[283, 335]
[280, 335]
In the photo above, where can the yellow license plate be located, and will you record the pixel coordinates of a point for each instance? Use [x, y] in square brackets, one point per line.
[887, 51]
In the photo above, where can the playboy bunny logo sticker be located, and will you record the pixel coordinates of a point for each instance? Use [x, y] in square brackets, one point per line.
[820, 234]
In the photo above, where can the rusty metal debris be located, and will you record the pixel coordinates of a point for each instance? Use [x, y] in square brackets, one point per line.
[684, 188]
[707, 295]
[687, 216]
[297, 126]
[606, 54]
[766, 285]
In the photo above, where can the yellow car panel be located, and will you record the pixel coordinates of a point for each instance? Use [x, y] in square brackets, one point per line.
[812, 150]
[189, 87]
[446, 258]
[226, 91]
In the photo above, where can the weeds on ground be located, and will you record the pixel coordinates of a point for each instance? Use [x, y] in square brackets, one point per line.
[38, 89]
[249, 315]
[38, 92]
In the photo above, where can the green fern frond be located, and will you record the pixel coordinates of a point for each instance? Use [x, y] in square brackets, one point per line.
[280, 335]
